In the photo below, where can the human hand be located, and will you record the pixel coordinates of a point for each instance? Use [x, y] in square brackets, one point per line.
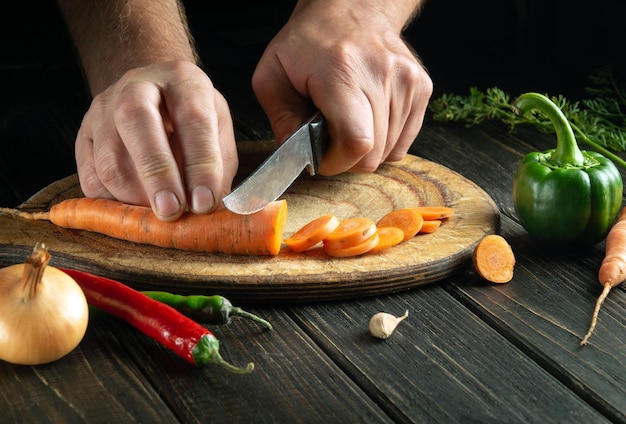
[355, 68]
[161, 136]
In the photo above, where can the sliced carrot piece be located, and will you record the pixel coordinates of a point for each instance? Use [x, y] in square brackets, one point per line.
[350, 232]
[408, 220]
[430, 226]
[430, 213]
[389, 236]
[494, 259]
[358, 249]
[312, 233]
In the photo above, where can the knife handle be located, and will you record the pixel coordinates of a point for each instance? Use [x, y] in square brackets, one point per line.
[319, 141]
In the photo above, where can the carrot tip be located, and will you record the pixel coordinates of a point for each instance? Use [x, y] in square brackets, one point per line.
[596, 311]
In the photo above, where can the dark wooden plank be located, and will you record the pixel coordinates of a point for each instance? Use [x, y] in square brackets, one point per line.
[293, 380]
[443, 364]
[97, 382]
[547, 307]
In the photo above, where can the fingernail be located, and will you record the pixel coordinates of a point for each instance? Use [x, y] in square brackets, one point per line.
[202, 200]
[166, 204]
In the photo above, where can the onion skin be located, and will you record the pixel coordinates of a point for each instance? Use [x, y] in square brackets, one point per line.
[41, 320]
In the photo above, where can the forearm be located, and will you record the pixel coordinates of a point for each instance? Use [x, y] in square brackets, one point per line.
[113, 36]
[399, 13]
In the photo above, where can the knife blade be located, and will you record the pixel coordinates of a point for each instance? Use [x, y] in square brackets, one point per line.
[303, 149]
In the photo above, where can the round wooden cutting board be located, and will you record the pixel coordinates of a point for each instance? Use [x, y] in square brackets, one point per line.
[287, 277]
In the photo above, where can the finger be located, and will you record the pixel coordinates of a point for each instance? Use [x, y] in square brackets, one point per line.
[141, 128]
[284, 106]
[104, 168]
[352, 129]
[416, 87]
[90, 184]
[415, 119]
[205, 139]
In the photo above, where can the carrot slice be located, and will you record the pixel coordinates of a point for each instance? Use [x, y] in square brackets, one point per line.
[430, 213]
[408, 220]
[355, 250]
[312, 233]
[494, 259]
[430, 226]
[389, 236]
[350, 232]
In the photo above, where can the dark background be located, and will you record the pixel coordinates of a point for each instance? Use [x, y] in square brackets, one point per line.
[519, 45]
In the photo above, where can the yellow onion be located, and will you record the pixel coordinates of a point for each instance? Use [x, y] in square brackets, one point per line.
[43, 311]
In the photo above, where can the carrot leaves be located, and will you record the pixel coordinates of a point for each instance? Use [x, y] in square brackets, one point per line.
[599, 121]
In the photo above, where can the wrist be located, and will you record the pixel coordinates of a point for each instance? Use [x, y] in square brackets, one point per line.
[115, 36]
[398, 13]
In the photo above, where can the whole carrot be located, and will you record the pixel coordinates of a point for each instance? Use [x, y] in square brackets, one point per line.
[190, 340]
[221, 231]
[612, 270]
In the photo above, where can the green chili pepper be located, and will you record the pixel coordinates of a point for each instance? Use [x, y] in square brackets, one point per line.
[565, 196]
[207, 309]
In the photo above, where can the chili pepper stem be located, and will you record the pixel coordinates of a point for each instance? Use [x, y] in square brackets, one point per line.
[567, 151]
[238, 312]
[206, 351]
[237, 370]
[213, 309]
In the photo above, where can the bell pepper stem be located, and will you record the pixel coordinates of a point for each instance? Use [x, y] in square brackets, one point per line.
[567, 152]
[597, 147]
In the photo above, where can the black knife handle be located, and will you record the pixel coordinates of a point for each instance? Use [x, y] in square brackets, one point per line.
[319, 140]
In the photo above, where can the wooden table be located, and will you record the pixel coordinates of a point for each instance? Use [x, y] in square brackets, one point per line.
[469, 351]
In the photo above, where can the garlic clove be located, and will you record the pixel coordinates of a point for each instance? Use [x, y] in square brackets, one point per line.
[382, 324]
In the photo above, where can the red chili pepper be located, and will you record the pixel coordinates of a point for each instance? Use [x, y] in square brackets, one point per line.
[190, 340]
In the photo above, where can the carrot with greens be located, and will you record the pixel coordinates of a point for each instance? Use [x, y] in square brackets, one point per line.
[388, 237]
[220, 231]
[430, 213]
[350, 232]
[409, 220]
[493, 259]
[188, 339]
[312, 233]
[612, 270]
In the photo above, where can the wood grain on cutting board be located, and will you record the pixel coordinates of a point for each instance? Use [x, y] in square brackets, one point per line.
[287, 277]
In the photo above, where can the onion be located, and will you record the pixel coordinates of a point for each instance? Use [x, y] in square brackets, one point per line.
[43, 311]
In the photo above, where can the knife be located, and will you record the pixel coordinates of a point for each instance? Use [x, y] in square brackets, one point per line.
[303, 149]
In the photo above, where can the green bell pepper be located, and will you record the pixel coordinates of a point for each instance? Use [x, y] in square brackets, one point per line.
[565, 196]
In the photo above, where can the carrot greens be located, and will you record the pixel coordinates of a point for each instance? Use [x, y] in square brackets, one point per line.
[599, 121]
